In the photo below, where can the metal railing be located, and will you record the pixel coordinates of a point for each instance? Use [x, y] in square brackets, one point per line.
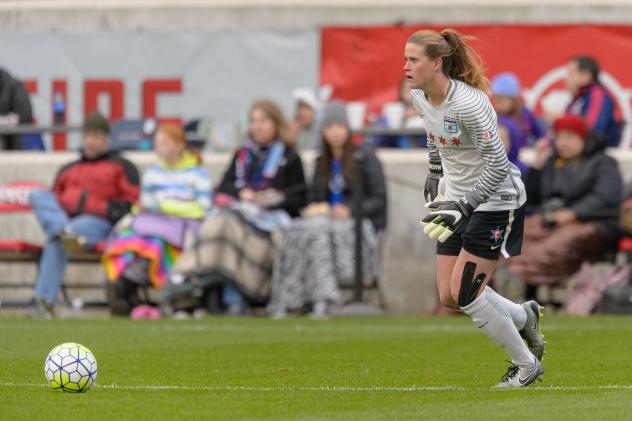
[32, 128]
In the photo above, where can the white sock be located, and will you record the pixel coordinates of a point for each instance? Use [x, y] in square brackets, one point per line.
[489, 316]
[516, 311]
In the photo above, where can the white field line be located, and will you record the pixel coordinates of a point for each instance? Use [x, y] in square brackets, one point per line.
[327, 388]
[423, 327]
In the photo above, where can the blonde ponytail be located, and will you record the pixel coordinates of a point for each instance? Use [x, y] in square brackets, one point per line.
[460, 61]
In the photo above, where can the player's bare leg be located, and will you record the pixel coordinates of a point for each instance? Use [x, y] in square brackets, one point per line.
[445, 266]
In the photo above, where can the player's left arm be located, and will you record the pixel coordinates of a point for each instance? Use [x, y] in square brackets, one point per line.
[481, 124]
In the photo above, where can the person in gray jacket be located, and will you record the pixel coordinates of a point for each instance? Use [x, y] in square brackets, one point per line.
[574, 191]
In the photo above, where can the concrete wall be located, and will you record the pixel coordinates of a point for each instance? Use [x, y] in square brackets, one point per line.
[408, 280]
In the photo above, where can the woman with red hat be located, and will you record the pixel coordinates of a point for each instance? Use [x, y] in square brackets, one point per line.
[574, 190]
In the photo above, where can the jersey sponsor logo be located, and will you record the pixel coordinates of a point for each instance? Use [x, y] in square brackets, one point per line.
[450, 125]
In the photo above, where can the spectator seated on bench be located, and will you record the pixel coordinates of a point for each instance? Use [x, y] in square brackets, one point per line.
[318, 249]
[89, 195]
[261, 189]
[175, 197]
[575, 189]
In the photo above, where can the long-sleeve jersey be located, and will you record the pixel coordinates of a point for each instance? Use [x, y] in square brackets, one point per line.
[462, 132]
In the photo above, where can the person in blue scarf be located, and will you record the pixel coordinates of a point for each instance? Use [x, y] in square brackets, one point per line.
[262, 189]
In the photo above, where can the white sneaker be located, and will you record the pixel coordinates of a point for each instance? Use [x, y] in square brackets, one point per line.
[517, 376]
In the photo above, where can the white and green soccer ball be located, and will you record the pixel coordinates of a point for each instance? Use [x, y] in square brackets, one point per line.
[70, 367]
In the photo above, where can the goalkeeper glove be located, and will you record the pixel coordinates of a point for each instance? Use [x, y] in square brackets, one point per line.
[446, 218]
[431, 188]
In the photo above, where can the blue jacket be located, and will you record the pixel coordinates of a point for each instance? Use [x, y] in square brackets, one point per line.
[596, 106]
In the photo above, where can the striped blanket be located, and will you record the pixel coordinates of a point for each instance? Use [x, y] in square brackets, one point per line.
[129, 246]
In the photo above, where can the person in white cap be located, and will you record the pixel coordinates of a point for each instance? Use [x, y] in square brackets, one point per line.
[304, 125]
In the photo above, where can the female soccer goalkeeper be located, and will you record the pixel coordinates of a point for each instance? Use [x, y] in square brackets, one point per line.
[481, 214]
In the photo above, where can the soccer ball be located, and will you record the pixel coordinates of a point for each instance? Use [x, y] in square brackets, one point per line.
[70, 367]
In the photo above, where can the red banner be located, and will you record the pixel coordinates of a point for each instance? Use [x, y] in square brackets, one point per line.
[366, 64]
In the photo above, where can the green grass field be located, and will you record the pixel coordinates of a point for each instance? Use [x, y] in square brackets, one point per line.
[371, 368]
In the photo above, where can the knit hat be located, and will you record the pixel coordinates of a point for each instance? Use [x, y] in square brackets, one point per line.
[335, 112]
[506, 84]
[95, 122]
[572, 123]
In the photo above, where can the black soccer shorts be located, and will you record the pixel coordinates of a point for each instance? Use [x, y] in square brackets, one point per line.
[487, 235]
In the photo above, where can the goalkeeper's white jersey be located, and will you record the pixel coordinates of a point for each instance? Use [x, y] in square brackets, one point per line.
[463, 133]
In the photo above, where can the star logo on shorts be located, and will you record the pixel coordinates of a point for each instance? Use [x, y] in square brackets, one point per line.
[442, 140]
[456, 141]
[431, 137]
[496, 236]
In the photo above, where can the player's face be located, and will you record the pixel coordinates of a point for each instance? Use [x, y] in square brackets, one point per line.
[568, 144]
[418, 67]
[262, 128]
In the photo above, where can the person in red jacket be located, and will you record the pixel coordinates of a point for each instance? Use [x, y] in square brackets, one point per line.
[89, 195]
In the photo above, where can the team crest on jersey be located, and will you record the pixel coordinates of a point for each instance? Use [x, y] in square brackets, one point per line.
[496, 235]
[449, 124]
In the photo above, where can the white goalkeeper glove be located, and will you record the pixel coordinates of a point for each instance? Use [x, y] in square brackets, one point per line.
[445, 218]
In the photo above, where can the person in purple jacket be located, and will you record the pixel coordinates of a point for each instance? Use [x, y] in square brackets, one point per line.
[507, 101]
[513, 140]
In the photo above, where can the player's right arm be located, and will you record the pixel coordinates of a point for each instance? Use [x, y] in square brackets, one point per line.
[431, 186]
[435, 172]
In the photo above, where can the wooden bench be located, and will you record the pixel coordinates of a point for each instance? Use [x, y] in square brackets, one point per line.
[20, 252]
